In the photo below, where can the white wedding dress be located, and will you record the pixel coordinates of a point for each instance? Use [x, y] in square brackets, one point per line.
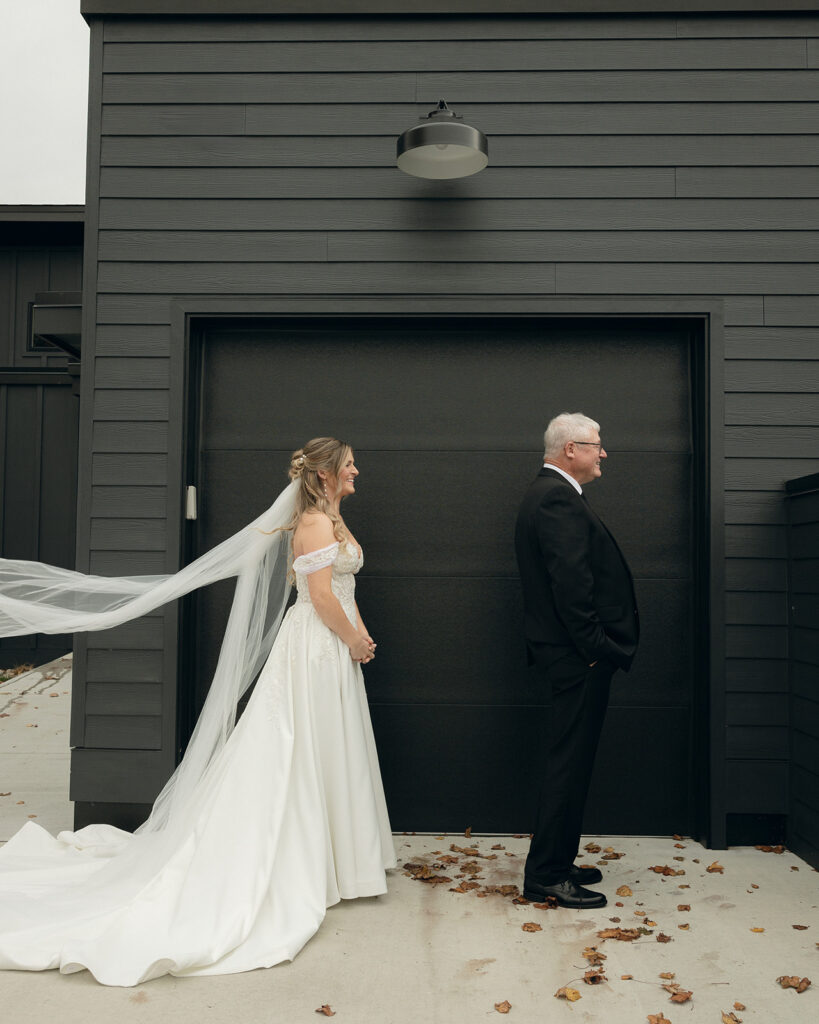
[288, 819]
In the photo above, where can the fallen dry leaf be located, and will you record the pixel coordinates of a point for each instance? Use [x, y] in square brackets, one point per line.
[681, 996]
[730, 1018]
[503, 1007]
[793, 866]
[568, 993]
[501, 890]
[684, 927]
[770, 849]
[716, 868]
[498, 846]
[668, 975]
[592, 848]
[795, 982]
[664, 869]
[466, 887]
[612, 855]
[594, 976]
[469, 851]
[325, 1009]
[758, 930]
[619, 904]
[594, 956]
[678, 846]
[6, 794]
[32, 815]
[624, 891]
[423, 873]
[626, 977]
[683, 906]
[20, 802]
[639, 913]
[739, 1006]
[531, 926]
[662, 937]
[614, 920]
[468, 832]
[798, 927]
[550, 904]
[621, 934]
[650, 924]
[657, 1018]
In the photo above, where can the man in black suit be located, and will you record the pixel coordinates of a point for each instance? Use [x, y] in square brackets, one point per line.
[581, 626]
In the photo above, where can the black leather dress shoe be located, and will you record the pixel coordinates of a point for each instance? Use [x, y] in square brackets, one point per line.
[585, 876]
[567, 894]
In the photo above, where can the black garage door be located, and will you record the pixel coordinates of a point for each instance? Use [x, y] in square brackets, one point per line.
[446, 420]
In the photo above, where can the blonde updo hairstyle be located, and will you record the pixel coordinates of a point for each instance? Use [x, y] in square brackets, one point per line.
[325, 454]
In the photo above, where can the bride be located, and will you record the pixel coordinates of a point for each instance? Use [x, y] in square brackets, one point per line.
[267, 821]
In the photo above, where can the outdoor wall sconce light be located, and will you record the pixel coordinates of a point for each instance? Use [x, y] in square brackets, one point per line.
[442, 146]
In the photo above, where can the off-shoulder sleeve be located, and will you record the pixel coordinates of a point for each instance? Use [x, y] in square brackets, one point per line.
[315, 560]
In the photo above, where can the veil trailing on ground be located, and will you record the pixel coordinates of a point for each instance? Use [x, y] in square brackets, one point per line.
[37, 598]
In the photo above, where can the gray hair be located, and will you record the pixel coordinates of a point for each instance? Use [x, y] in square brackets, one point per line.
[568, 426]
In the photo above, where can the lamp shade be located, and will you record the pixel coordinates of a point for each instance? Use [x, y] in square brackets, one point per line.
[442, 146]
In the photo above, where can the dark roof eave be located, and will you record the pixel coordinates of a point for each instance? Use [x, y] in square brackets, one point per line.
[343, 8]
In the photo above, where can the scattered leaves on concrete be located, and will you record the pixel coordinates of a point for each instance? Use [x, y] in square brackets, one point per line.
[424, 873]
[594, 956]
[568, 993]
[794, 982]
[466, 886]
[716, 868]
[595, 976]
[771, 849]
[665, 869]
[621, 934]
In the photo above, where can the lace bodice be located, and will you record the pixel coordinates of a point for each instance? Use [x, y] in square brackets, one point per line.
[346, 560]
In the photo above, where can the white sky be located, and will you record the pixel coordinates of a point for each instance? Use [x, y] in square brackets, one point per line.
[43, 101]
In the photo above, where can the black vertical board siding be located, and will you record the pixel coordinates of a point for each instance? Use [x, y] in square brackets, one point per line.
[38, 423]
[803, 604]
[221, 167]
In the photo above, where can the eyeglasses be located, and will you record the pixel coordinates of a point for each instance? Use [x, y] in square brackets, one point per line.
[595, 444]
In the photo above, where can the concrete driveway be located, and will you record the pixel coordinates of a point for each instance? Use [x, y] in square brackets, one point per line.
[448, 951]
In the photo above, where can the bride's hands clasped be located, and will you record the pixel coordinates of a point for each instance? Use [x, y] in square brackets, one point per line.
[362, 649]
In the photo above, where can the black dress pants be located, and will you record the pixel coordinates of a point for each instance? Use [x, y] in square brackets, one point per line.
[580, 696]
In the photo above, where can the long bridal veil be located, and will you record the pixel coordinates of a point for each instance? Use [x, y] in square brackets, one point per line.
[40, 598]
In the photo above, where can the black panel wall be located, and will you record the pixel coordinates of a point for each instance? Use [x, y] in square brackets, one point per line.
[632, 157]
[39, 415]
[803, 600]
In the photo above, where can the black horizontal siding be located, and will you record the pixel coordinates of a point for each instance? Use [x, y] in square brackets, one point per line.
[655, 156]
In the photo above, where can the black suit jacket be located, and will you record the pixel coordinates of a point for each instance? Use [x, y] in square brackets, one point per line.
[578, 591]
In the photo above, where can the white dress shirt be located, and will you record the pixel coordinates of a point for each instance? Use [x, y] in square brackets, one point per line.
[571, 479]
